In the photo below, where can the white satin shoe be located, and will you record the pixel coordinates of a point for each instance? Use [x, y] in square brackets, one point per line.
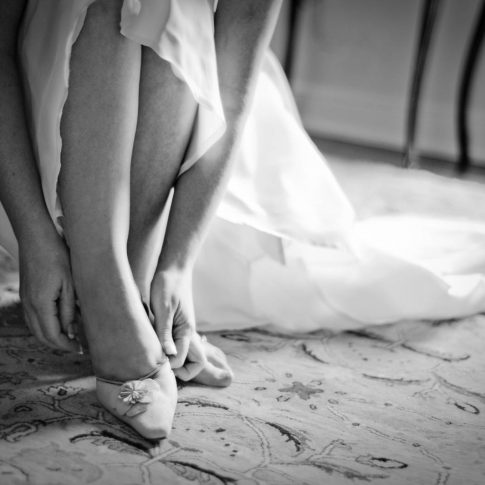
[146, 404]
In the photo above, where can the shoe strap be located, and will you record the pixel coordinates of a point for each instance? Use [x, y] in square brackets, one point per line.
[120, 383]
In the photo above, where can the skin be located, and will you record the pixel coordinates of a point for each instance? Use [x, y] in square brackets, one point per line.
[107, 225]
[165, 118]
[242, 34]
[100, 224]
[98, 132]
[46, 287]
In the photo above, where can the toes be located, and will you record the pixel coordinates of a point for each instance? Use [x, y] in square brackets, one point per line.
[215, 356]
[214, 376]
[216, 372]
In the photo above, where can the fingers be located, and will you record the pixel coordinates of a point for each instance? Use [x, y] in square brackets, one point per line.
[163, 325]
[46, 327]
[51, 326]
[194, 363]
[188, 371]
[34, 327]
[182, 344]
[67, 309]
[183, 334]
[172, 307]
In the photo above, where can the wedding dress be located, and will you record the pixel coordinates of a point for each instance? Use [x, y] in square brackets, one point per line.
[285, 248]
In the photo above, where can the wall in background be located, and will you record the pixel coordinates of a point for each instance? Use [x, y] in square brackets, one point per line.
[353, 67]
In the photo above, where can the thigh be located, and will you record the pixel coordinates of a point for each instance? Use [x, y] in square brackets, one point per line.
[99, 120]
[103, 84]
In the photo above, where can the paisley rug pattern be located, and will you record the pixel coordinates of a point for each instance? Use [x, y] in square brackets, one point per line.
[396, 404]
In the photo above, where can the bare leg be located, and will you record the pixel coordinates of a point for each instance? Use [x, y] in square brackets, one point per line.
[165, 118]
[98, 129]
[166, 115]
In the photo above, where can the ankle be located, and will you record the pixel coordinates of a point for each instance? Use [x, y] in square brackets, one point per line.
[124, 368]
[100, 250]
[100, 270]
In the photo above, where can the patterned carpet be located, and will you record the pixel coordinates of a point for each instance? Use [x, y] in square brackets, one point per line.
[399, 404]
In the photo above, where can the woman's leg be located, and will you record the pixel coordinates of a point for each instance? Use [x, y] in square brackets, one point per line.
[12, 147]
[98, 129]
[165, 118]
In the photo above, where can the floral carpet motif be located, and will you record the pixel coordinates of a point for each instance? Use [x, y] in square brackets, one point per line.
[393, 404]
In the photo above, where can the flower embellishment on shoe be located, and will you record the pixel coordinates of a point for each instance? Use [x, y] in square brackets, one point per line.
[135, 391]
[136, 395]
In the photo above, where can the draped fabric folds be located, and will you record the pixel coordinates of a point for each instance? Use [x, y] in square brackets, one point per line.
[285, 248]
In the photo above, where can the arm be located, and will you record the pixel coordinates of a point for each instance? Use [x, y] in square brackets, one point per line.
[242, 34]
[44, 263]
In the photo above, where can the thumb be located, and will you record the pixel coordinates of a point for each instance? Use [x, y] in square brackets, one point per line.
[163, 325]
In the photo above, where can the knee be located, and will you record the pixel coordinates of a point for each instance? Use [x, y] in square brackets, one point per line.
[104, 10]
[103, 20]
[100, 43]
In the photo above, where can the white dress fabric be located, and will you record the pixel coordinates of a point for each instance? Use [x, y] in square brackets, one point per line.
[284, 249]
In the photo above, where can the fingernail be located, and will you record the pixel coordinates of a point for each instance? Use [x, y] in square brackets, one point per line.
[70, 332]
[170, 349]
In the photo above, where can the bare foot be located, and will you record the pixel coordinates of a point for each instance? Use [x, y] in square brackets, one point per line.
[216, 372]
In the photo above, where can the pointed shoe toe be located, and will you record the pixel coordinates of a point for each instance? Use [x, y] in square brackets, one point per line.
[146, 404]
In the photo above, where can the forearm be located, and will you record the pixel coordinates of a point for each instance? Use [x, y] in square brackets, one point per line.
[20, 188]
[242, 34]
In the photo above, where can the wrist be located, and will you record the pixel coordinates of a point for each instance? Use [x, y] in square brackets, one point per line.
[175, 270]
[171, 281]
[37, 234]
[176, 258]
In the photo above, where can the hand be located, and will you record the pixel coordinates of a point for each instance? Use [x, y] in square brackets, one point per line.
[47, 292]
[173, 308]
[195, 362]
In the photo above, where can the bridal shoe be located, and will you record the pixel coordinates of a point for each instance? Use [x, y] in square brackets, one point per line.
[146, 404]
